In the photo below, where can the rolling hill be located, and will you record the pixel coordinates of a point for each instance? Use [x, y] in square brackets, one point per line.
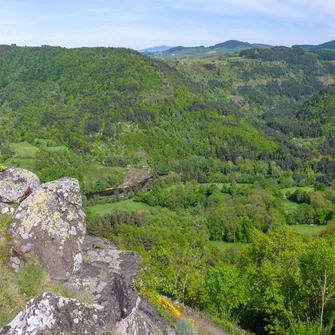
[327, 45]
[111, 107]
[159, 48]
[220, 49]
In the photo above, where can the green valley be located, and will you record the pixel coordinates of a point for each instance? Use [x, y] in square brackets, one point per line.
[218, 168]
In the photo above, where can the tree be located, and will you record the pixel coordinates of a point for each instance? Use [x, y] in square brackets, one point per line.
[222, 291]
[318, 278]
[304, 214]
[269, 268]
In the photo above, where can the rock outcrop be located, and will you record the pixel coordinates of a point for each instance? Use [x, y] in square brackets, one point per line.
[14, 182]
[50, 222]
[107, 275]
[53, 315]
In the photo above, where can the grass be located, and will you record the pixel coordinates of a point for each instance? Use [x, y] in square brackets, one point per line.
[290, 206]
[308, 231]
[23, 163]
[308, 189]
[17, 289]
[24, 149]
[127, 206]
[11, 297]
[27, 150]
[96, 172]
[94, 169]
[221, 245]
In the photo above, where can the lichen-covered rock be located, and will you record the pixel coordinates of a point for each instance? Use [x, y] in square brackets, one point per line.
[107, 275]
[14, 182]
[50, 222]
[116, 309]
[53, 315]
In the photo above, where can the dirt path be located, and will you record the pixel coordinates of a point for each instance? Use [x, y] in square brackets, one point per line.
[205, 326]
[208, 328]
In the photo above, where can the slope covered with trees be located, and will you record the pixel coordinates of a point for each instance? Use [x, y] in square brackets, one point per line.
[245, 145]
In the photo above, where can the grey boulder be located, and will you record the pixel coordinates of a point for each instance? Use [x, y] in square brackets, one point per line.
[53, 315]
[107, 275]
[14, 182]
[51, 223]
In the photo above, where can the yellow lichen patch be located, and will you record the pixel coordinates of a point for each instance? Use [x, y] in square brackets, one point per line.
[38, 211]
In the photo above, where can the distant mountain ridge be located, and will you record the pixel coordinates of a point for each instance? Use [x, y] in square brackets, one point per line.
[327, 45]
[220, 49]
[159, 48]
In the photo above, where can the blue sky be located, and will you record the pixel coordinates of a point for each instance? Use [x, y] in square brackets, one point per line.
[144, 23]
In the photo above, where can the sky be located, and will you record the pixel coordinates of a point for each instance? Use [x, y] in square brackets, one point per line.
[139, 24]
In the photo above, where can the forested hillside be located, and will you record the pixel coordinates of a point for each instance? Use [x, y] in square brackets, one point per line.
[107, 105]
[242, 147]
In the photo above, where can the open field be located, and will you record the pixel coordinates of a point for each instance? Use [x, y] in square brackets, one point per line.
[308, 230]
[24, 149]
[24, 163]
[95, 172]
[127, 206]
[227, 245]
[304, 230]
[290, 206]
[308, 189]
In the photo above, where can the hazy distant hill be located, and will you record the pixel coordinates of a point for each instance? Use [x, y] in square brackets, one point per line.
[159, 48]
[231, 44]
[327, 45]
[220, 49]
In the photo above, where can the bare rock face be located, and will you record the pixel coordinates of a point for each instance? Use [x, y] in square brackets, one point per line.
[53, 315]
[107, 274]
[50, 222]
[14, 182]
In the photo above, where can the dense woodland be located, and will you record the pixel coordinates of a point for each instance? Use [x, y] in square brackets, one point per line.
[244, 145]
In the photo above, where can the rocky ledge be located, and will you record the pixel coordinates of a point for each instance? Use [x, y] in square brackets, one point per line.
[49, 222]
